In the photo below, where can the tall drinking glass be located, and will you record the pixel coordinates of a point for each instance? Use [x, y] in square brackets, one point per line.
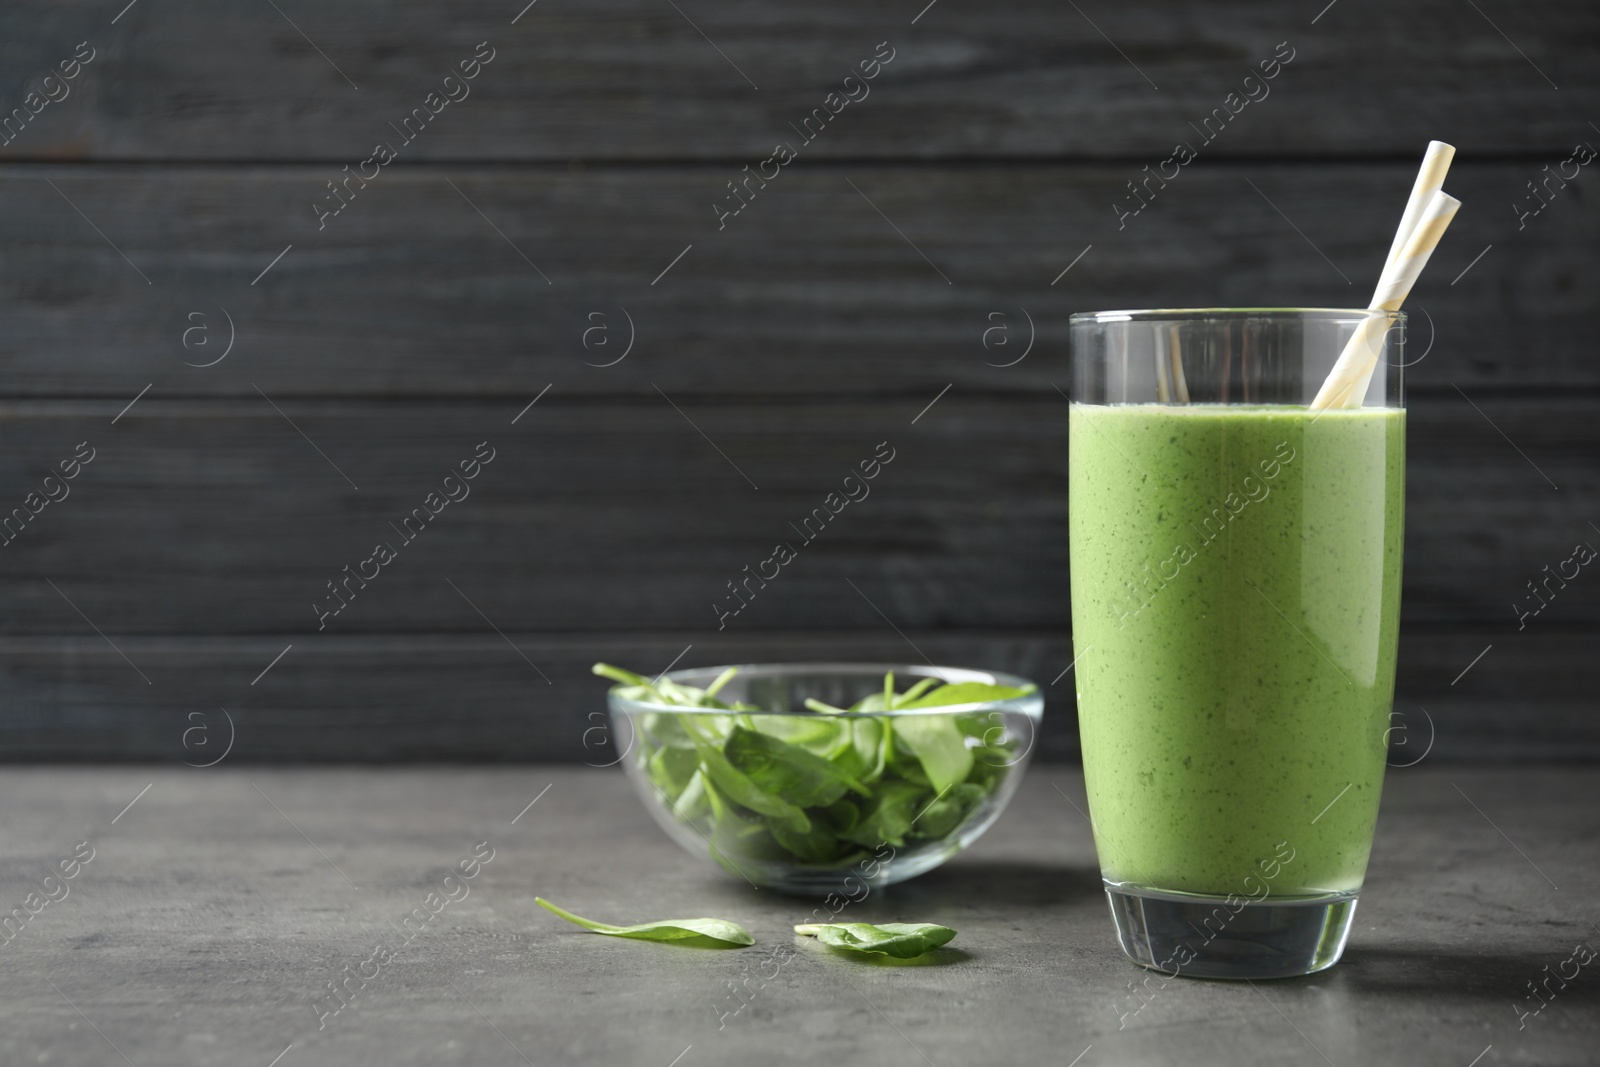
[1235, 609]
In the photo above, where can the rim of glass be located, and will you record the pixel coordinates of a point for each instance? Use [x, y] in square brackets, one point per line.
[1030, 703]
[1157, 314]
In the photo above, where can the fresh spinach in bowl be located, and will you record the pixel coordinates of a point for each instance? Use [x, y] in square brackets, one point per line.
[820, 789]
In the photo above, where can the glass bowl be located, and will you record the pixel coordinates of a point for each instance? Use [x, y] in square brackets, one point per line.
[814, 803]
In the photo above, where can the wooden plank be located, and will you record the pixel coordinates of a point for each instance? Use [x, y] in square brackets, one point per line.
[234, 516]
[473, 697]
[627, 79]
[810, 290]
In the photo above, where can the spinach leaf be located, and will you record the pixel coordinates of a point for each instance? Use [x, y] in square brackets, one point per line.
[901, 940]
[889, 815]
[939, 745]
[666, 691]
[905, 699]
[716, 686]
[671, 768]
[741, 790]
[966, 693]
[771, 786]
[694, 801]
[863, 753]
[821, 737]
[819, 844]
[720, 930]
[946, 811]
[750, 838]
[842, 815]
[618, 675]
[665, 728]
[786, 770]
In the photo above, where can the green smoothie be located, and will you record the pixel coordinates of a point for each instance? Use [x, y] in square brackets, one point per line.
[1235, 603]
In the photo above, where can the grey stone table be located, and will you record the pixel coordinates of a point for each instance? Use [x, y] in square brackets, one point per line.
[206, 922]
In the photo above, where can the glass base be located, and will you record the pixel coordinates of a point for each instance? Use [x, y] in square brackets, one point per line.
[1210, 937]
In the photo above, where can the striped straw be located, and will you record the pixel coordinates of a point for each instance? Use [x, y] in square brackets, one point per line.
[1347, 382]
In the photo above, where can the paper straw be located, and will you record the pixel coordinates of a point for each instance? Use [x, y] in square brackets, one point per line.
[1347, 382]
[1430, 179]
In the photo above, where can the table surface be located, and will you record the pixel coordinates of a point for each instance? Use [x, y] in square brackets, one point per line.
[219, 907]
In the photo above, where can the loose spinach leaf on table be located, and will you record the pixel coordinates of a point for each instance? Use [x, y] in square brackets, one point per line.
[901, 940]
[730, 933]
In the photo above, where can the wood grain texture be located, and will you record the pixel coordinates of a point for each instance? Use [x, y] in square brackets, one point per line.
[631, 80]
[233, 516]
[410, 291]
[512, 697]
[159, 241]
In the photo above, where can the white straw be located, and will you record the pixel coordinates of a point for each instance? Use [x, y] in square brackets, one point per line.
[1430, 179]
[1347, 382]
[1343, 387]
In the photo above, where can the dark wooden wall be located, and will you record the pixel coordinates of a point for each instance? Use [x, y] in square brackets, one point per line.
[139, 216]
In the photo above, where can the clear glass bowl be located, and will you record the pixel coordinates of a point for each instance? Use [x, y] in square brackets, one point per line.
[931, 779]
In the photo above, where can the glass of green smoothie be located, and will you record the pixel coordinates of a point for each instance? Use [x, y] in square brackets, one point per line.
[1235, 563]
